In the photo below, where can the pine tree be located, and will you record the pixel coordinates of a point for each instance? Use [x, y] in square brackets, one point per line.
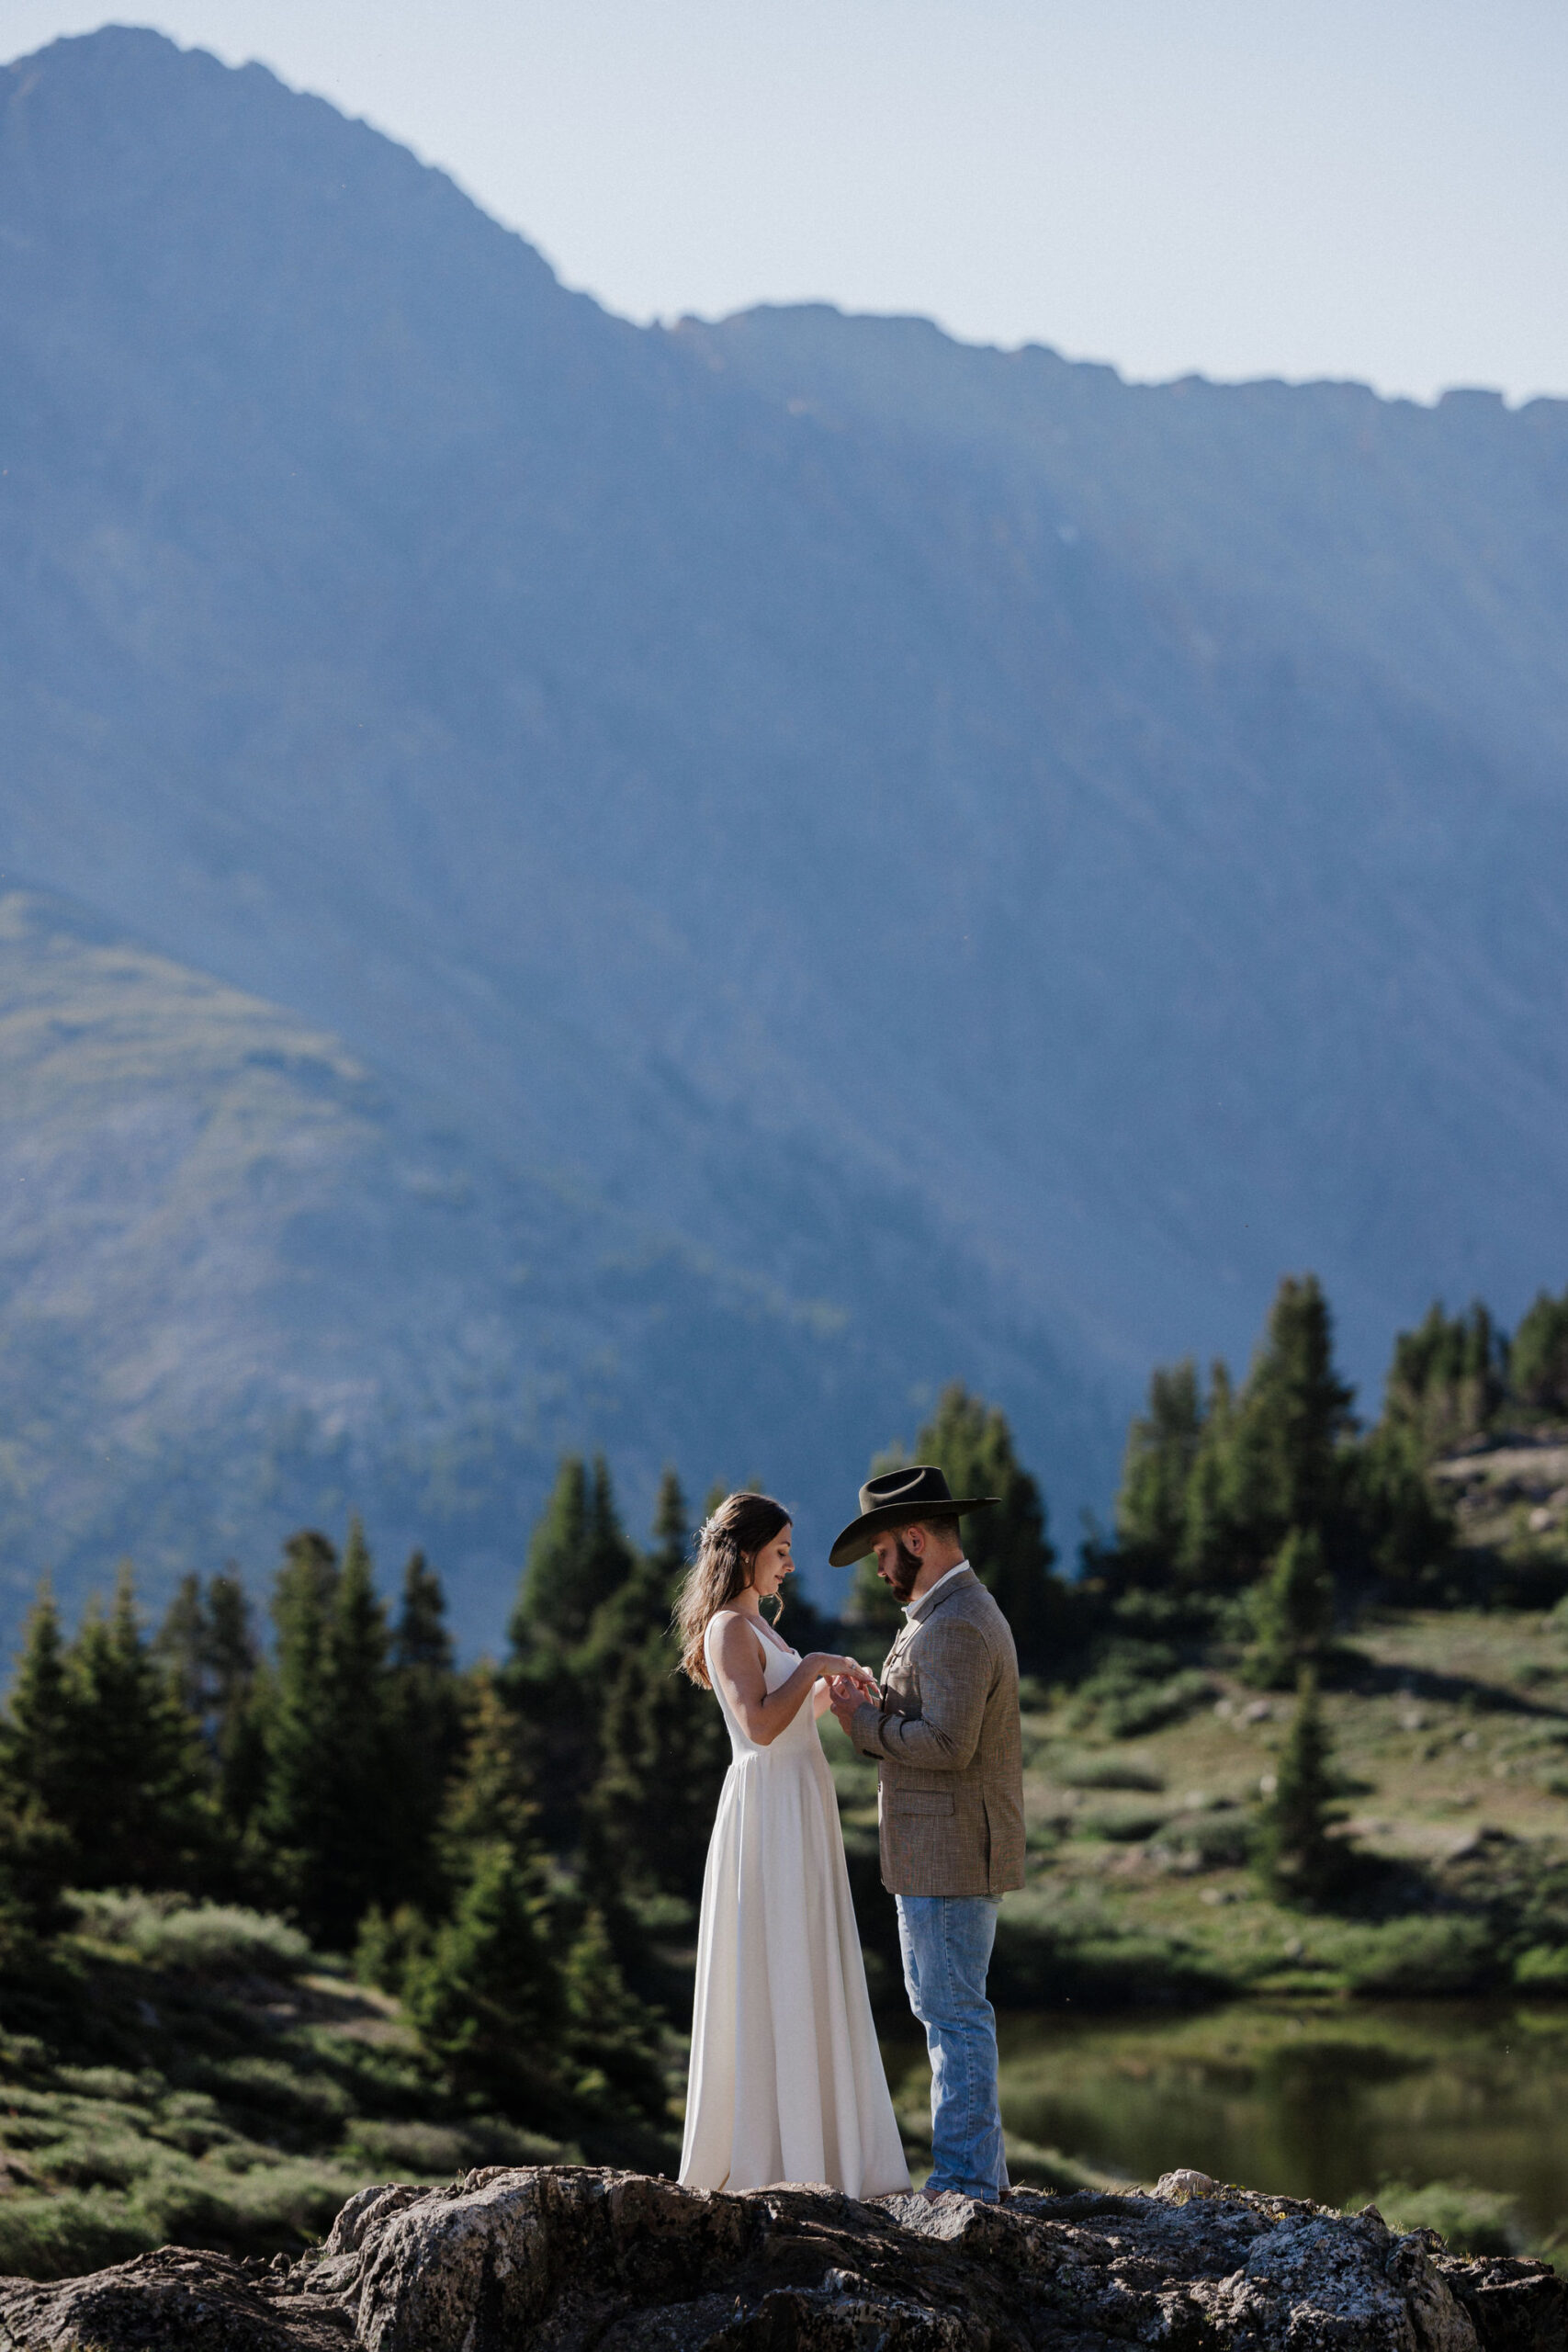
[671, 1534]
[1293, 1610]
[324, 1818]
[1298, 1859]
[1277, 1458]
[640, 1607]
[1295, 1411]
[611, 2038]
[130, 1783]
[1537, 1362]
[420, 1643]
[1446, 1382]
[490, 1798]
[207, 1652]
[296, 1737]
[364, 1753]
[1162, 1448]
[181, 1647]
[648, 1817]
[871, 1603]
[37, 1863]
[1206, 1536]
[38, 1856]
[579, 1565]
[1213, 1489]
[235, 1712]
[577, 1559]
[1405, 1527]
[37, 1730]
[663, 1746]
[488, 2000]
[426, 1731]
[971, 1444]
[488, 1995]
[486, 1802]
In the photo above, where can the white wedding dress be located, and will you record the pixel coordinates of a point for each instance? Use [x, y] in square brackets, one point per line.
[786, 2081]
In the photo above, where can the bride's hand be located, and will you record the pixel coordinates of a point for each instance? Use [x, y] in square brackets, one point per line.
[845, 1669]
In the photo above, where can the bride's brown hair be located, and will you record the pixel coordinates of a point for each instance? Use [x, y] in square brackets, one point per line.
[728, 1545]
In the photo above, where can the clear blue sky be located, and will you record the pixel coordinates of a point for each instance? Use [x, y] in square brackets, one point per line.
[1375, 188]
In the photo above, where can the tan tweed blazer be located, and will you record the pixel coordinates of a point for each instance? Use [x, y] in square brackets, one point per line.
[950, 1790]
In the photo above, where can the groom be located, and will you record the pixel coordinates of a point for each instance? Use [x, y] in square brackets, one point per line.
[950, 1798]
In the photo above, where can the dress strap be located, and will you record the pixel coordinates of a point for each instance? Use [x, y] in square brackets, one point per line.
[768, 1648]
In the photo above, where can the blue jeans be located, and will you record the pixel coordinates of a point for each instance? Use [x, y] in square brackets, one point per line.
[946, 1943]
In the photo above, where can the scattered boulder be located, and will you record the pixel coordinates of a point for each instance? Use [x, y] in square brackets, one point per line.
[562, 2258]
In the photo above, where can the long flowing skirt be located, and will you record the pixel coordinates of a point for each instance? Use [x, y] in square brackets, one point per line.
[786, 2080]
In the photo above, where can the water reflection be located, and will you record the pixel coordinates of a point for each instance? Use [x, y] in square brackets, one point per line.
[1321, 2100]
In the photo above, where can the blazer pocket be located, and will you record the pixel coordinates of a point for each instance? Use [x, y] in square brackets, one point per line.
[922, 1801]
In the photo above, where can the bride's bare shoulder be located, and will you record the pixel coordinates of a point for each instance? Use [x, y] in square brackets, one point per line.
[729, 1629]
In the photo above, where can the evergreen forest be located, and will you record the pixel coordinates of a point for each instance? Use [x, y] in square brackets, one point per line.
[286, 1880]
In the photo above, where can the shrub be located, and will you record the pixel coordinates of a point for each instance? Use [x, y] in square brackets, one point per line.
[1533, 1577]
[109, 2082]
[272, 2087]
[1441, 1954]
[206, 1939]
[1048, 1954]
[427, 2151]
[1124, 1705]
[387, 1949]
[1542, 1969]
[1472, 2220]
[1209, 1842]
[59, 2237]
[1126, 1824]
[273, 2204]
[1107, 1772]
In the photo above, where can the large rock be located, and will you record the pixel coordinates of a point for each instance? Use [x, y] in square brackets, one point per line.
[563, 2258]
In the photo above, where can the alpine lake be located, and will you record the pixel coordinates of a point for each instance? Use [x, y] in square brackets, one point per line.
[1456, 2111]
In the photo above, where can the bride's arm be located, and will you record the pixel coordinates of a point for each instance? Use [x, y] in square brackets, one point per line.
[737, 1664]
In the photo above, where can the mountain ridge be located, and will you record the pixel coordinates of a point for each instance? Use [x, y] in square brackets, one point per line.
[1017, 857]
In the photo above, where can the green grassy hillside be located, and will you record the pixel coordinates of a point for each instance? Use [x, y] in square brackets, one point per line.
[1450, 1735]
[197, 2074]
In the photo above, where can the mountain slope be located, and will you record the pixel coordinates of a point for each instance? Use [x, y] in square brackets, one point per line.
[245, 1287]
[999, 861]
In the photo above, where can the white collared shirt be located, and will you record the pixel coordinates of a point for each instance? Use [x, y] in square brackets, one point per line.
[933, 1590]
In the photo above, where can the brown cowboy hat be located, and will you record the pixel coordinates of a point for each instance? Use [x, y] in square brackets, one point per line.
[900, 1498]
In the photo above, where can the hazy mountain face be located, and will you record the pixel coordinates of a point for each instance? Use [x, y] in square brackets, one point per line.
[986, 864]
[245, 1284]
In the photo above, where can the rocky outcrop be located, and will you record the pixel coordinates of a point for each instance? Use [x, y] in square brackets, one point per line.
[565, 2258]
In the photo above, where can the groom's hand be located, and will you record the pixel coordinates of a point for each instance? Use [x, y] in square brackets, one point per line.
[846, 1697]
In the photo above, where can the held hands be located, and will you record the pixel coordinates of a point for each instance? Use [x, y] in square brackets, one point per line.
[848, 1691]
[844, 1673]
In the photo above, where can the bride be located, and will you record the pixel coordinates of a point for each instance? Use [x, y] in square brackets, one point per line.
[786, 2081]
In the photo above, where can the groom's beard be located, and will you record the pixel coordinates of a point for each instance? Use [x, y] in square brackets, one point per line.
[900, 1576]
